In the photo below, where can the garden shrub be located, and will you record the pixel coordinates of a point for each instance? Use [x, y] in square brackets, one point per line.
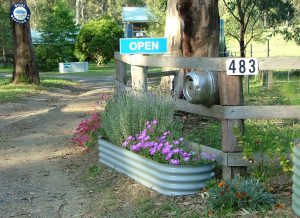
[97, 40]
[237, 194]
[126, 115]
[58, 36]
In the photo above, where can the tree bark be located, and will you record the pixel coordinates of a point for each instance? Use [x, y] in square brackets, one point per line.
[192, 29]
[77, 16]
[173, 32]
[200, 25]
[25, 70]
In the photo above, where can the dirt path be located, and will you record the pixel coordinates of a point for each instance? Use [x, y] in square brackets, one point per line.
[36, 176]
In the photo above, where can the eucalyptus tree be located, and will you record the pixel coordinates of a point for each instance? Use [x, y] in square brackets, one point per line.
[25, 70]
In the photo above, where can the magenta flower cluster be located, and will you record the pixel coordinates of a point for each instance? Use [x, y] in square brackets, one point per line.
[86, 131]
[162, 147]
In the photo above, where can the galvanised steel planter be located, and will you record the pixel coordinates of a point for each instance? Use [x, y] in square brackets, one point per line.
[296, 179]
[163, 178]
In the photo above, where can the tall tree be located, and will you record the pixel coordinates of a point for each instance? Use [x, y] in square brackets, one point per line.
[250, 19]
[192, 29]
[158, 10]
[58, 36]
[25, 69]
[5, 32]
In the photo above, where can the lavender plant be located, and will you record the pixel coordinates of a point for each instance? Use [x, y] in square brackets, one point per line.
[126, 115]
[163, 147]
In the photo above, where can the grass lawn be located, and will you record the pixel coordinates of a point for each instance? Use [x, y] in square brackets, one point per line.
[6, 70]
[94, 71]
[14, 92]
[278, 47]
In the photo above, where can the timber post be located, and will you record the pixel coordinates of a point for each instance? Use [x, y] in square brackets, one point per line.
[121, 70]
[231, 93]
[139, 78]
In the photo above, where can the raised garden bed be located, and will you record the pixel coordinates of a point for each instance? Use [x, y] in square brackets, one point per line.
[163, 178]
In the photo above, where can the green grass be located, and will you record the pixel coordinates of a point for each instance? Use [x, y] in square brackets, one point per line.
[6, 70]
[285, 91]
[278, 47]
[94, 71]
[14, 92]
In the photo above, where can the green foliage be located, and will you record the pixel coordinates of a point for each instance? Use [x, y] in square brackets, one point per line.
[158, 10]
[97, 40]
[246, 20]
[5, 31]
[126, 115]
[240, 193]
[58, 35]
[272, 139]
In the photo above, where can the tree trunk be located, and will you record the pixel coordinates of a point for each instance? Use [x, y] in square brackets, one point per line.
[4, 56]
[25, 70]
[200, 23]
[173, 34]
[192, 29]
[77, 17]
[242, 44]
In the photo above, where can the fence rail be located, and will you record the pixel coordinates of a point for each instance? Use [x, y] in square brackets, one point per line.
[214, 64]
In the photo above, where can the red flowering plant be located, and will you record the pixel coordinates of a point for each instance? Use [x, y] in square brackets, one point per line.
[88, 130]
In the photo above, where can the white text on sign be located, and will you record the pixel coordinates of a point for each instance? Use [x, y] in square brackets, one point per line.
[242, 66]
[148, 46]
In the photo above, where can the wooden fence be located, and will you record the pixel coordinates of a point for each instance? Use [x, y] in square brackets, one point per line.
[230, 111]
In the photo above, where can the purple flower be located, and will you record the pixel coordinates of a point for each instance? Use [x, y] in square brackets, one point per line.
[130, 138]
[166, 149]
[166, 133]
[176, 142]
[136, 147]
[208, 156]
[169, 156]
[152, 151]
[174, 162]
[176, 150]
[154, 122]
[125, 144]
[159, 146]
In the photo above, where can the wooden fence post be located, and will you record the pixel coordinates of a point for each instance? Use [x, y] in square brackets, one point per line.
[121, 70]
[231, 94]
[139, 78]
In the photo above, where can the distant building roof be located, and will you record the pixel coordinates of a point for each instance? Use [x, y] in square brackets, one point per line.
[135, 15]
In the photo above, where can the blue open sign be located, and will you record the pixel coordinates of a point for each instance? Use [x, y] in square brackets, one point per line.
[143, 46]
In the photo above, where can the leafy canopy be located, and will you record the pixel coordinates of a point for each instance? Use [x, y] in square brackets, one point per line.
[246, 20]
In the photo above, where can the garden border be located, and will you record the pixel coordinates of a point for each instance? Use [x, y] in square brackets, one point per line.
[230, 112]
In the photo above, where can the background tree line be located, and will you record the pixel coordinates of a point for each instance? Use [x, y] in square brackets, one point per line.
[60, 22]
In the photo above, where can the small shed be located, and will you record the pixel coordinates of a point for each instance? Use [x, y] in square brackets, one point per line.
[135, 20]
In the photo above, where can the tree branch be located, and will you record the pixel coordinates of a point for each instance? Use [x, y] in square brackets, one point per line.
[231, 12]
[234, 36]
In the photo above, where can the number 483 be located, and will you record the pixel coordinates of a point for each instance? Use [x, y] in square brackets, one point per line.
[242, 66]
